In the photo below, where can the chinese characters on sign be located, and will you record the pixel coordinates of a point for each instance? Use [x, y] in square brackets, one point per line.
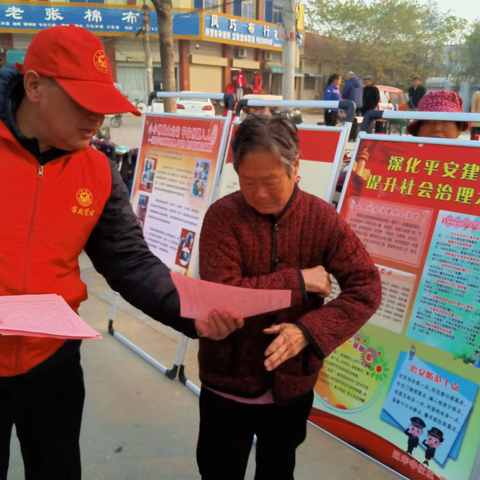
[237, 30]
[440, 190]
[447, 309]
[389, 230]
[441, 399]
[100, 19]
[416, 208]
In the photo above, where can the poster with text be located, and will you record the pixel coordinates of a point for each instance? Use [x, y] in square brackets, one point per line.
[404, 390]
[175, 175]
[318, 149]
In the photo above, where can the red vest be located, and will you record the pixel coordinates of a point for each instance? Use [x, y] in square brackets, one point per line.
[46, 218]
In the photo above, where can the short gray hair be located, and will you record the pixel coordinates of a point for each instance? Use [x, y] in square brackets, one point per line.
[277, 134]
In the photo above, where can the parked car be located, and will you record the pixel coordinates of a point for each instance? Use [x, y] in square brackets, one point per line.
[189, 106]
[392, 98]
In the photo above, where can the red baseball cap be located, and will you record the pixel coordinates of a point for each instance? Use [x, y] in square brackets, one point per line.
[74, 57]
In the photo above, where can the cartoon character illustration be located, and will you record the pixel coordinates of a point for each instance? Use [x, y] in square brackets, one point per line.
[414, 431]
[433, 441]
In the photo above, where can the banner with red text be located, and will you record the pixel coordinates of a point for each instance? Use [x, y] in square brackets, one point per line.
[176, 171]
[317, 161]
[404, 389]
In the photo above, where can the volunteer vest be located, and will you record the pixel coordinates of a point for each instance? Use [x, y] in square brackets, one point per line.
[47, 214]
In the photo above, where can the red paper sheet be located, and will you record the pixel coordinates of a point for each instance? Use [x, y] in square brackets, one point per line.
[198, 298]
[47, 316]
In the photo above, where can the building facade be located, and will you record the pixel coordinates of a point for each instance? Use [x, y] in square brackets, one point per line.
[213, 42]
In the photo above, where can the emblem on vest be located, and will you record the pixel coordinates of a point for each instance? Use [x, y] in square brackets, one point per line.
[85, 199]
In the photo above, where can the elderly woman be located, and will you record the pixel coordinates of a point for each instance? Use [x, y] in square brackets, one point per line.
[271, 235]
[439, 101]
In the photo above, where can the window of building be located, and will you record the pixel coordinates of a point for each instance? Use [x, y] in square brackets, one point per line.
[213, 5]
[247, 9]
[273, 11]
[244, 8]
[309, 83]
[210, 5]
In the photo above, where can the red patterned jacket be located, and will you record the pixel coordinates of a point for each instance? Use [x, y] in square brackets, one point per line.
[241, 247]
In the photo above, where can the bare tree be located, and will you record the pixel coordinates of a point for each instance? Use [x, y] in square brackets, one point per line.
[164, 9]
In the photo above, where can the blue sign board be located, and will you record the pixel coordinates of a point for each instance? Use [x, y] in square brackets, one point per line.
[243, 32]
[96, 19]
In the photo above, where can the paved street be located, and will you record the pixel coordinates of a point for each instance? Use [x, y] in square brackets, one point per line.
[138, 425]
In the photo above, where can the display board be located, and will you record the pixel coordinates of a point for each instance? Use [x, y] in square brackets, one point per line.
[404, 389]
[174, 183]
[322, 152]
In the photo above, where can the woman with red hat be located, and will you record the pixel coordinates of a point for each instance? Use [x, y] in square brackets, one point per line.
[440, 101]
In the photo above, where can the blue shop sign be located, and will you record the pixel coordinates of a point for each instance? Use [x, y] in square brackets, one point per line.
[243, 32]
[103, 20]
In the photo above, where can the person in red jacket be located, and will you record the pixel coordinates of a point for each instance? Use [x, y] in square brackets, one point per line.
[260, 379]
[60, 197]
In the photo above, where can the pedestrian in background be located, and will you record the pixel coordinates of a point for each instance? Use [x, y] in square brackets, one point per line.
[475, 109]
[353, 90]
[332, 94]
[439, 101]
[415, 93]
[371, 95]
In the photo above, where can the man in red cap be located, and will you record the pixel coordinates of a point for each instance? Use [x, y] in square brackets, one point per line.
[59, 196]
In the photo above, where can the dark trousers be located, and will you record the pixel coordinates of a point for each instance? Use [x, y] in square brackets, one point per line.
[226, 436]
[475, 131]
[330, 118]
[46, 408]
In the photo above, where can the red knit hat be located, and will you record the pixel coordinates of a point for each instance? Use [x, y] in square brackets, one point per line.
[440, 101]
[74, 57]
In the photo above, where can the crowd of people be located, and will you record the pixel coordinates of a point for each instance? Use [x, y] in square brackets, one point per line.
[365, 95]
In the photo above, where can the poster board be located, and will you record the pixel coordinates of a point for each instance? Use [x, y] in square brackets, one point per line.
[177, 170]
[322, 153]
[416, 208]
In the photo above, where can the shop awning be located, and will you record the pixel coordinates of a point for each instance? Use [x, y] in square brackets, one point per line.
[15, 56]
[277, 69]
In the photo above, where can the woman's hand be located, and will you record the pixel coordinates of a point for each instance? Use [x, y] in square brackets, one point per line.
[289, 343]
[317, 280]
[218, 326]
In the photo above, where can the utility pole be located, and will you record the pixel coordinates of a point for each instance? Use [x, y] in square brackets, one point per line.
[289, 50]
[146, 47]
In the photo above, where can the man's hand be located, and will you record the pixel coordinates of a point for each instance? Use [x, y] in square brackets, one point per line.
[218, 326]
[317, 280]
[290, 342]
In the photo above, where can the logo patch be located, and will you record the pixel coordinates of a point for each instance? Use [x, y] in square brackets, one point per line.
[100, 61]
[84, 197]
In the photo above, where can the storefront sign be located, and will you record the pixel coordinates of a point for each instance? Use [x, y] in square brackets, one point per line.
[404, 389]
[173, 185]
[316, 165]
[101, 20]
[238, 31]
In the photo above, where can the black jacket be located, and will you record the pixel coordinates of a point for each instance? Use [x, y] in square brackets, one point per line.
[415, 95]
[371, 97]
[430, 451]
[116, 246]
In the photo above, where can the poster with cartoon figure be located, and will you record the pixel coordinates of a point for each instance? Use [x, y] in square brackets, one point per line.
[404, 389]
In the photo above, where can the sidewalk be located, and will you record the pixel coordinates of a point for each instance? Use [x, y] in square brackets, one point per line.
[138, 425]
